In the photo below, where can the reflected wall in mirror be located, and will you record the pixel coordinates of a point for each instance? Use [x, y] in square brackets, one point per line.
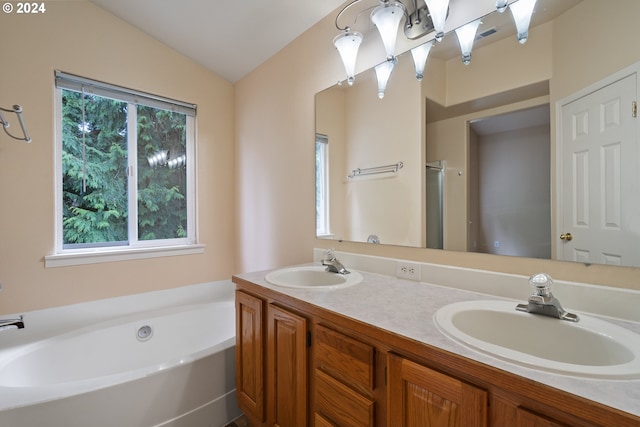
[366, 132]
[480, 143]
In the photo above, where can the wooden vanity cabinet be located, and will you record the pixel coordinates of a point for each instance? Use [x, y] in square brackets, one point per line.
[286, 368]
[250, 356]
[299, 365]
[419, 396]
[504, 412]
[271, 363]
[526, 418]
[344, 376]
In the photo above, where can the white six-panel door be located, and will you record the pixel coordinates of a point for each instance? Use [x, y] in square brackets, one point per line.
[598, 183]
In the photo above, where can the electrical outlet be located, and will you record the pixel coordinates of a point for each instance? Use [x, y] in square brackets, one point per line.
[408, 270]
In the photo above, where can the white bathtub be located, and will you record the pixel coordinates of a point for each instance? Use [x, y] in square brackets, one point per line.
[105, 373]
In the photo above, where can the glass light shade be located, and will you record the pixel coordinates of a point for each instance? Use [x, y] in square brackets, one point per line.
[347, 44]
[501, 5]
[466, 35]
[386, 18]
[438, 12]
[521, 11]
[420, 55]
[383, 72]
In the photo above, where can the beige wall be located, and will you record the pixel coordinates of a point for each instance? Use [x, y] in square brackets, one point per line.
[500, 66]
[275, 127]
[78, 37]
[575, 45]
[387, 205]
[269, 220]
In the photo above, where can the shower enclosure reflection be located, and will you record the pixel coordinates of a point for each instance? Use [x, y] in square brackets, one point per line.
[435, 204]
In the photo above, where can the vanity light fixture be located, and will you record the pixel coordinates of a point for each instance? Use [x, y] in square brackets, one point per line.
[501, 5]
[419, 21]
[522, 11]
[177, 162]
[420, 55]
[466, 35]
[387, 17]
[438, 10]
[347, 44]
[383, 72]
[161, 158]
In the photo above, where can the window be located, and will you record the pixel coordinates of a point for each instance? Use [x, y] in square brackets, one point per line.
[125, 168]
[322, 185]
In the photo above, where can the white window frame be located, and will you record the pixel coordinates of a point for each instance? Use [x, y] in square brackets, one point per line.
[135, 249]
[322, 211]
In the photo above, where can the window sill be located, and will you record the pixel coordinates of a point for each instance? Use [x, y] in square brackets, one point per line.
[111, 255]
[326, 236]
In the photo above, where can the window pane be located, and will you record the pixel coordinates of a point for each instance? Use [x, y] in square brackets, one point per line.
[162, 174]
[94, 162]
[322, 190]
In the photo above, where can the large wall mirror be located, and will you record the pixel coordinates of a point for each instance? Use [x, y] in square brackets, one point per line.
[478, 157]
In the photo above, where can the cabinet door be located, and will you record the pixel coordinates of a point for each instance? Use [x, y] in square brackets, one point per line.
[420, 397]
[250, 355]
[286, 368]
[526, 418]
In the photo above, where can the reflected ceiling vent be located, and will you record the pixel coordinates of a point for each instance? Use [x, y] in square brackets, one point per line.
[487, 33]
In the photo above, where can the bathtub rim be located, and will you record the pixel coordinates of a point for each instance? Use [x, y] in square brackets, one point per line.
[38, 324]
[18, 396]
[9, 355]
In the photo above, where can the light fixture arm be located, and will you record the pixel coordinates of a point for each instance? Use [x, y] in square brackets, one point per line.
[344, 9]
[347, 28]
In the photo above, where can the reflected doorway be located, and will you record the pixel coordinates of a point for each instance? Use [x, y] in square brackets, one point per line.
[511, 178]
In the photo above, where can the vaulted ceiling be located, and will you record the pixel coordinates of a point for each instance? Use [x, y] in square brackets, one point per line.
[231, 38]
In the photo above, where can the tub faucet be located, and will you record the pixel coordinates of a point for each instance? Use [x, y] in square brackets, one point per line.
[332, 263]
[12, 323]
[542, 300]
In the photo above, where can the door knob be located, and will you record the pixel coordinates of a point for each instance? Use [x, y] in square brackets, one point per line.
[566, 237]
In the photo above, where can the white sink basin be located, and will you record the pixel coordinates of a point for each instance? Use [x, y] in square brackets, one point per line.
[590, 348]
[314, 277]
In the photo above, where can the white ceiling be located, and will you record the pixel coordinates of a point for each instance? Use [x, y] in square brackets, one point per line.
[230, 37]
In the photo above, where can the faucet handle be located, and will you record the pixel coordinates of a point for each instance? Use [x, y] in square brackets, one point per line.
[329, 255]
[541, 283]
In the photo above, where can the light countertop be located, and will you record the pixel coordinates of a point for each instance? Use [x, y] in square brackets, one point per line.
[407, 308]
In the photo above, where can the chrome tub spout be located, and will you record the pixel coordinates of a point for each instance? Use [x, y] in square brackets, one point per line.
[12, 323]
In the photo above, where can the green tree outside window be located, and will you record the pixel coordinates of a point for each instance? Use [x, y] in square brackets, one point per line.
[96, 173]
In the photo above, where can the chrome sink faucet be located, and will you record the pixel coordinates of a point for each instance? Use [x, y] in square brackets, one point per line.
[332, 263]
[542, 300]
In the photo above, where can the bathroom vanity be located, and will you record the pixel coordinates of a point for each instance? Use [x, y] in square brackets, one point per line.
[370, 355]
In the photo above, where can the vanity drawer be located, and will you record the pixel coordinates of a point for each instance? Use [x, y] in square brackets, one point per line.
[345, 359]
[321, 421]
[337, 404]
